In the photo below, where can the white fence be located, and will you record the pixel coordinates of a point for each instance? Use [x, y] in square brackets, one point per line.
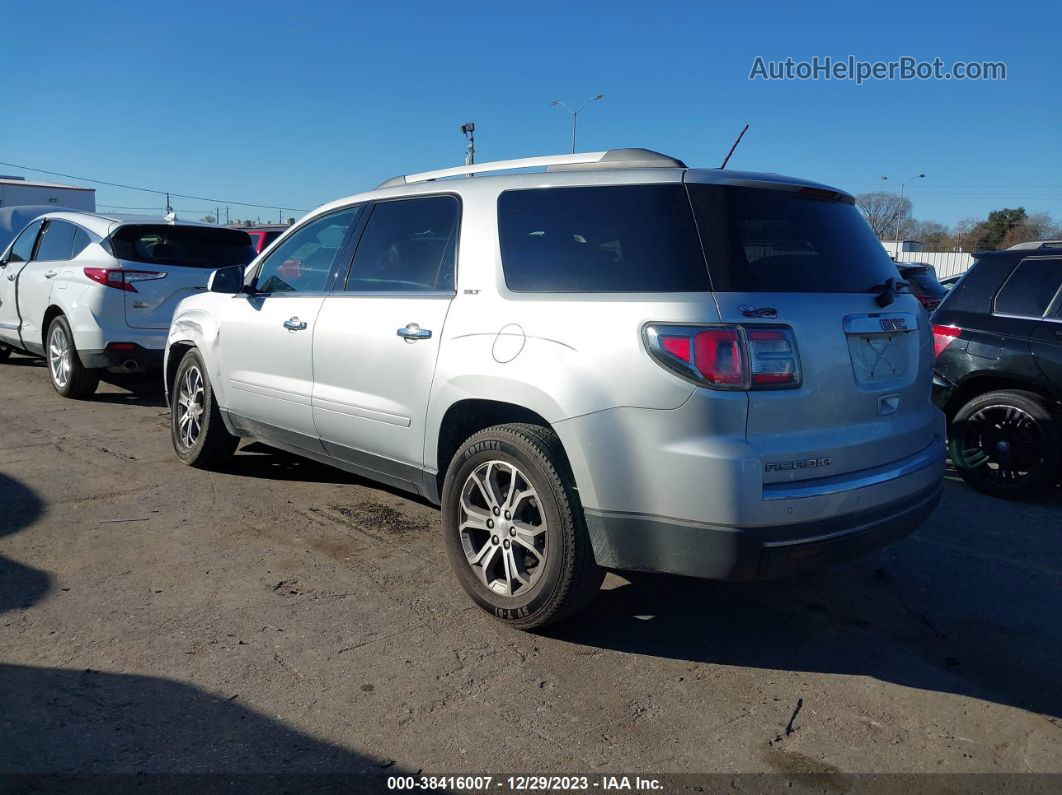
[945, 263]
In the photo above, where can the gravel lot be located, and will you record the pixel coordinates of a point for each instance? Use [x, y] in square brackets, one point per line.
[285, 616]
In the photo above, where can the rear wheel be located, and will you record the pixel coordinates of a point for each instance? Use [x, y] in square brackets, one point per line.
[199, 436]
[1005, 444]
[514, 528]
[69, 377]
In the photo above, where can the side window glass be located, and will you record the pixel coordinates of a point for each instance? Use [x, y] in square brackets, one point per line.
[56, 242]
[1031, 288]
[409, 245]
[81, 242]
[302, 263]
[22, 250]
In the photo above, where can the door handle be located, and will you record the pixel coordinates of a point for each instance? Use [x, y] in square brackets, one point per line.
[51, 274]
[413, 332]
[11, 277]
[294, 324]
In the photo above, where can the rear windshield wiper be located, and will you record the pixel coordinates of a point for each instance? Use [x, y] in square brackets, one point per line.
[887, 291]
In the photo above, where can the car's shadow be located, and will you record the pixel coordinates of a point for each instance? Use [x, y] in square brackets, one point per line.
[83, 722]
[20, 360]
[137, 390]
[259, 460]
[942, 610]
[20, 586]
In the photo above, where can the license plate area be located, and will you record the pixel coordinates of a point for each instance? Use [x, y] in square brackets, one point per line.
[882, 347]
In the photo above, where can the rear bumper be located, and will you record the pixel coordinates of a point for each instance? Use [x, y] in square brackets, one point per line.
[143, 357]
[651, 543]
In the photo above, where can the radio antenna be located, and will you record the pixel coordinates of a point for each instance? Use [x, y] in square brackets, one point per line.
[732, 148]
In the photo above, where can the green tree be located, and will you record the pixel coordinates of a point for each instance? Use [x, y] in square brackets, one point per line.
[992, 232]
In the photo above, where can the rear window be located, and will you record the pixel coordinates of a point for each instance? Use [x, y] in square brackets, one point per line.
[192, 246]
[924, 281]
[771, 240]
[614, 238]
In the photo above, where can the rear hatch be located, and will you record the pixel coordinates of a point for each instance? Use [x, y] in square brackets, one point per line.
[798, 256]
[164, 263]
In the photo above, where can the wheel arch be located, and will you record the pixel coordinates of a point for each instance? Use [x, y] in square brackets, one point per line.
[51, 313]
[175, 352]
[979, 384]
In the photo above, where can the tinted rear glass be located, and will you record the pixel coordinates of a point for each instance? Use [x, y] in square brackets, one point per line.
[1031, 288]
[613, 238]
[924, 282]
[769, 240]
[192, 246]
[57, 242]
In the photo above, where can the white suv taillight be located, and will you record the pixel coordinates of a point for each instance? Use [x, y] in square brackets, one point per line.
[727, 357]
[121, 279]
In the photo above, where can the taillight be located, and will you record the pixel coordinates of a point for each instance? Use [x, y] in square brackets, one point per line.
[121, 279]
[943, 336]
[772, 352]
[728, 357]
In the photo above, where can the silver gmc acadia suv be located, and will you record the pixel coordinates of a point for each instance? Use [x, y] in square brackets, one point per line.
[617, 363]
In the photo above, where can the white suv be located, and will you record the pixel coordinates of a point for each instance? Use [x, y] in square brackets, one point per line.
[619, 363]
[91, 292]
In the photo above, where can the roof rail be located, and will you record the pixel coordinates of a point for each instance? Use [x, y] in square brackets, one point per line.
[612, 158]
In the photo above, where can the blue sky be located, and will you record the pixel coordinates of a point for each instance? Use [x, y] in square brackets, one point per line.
[297, 103]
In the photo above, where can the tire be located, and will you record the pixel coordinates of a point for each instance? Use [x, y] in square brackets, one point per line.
[553, 569]
[69, 377]
[197, 431]
[1005, 444]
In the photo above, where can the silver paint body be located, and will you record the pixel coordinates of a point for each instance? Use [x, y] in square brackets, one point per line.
[349, 390]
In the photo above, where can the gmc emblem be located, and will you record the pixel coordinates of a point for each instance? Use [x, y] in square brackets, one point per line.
[804, 463]
[893, 324]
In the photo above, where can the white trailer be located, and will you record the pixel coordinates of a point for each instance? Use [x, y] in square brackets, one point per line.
[16, 192]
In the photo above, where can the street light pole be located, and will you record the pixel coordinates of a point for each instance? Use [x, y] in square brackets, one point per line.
[575, 113]
[899, 212]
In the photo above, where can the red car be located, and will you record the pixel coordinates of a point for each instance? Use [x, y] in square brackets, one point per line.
[262, 236]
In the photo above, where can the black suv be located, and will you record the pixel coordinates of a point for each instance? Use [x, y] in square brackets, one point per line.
[998, 375]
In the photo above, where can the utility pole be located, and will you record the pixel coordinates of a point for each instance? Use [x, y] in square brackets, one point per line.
[899, 213]
[217, 216]
[226, 215]
[575, 113]
[168, 208]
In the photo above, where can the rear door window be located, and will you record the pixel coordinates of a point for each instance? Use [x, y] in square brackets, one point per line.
[56, 242]
[408, 245]
[777, 240]
[1032, 287]
[602, 239]
[191, 246]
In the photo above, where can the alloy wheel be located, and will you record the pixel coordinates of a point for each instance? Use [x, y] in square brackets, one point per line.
[502, 528]
[190, 405]
[1003, 443]
[59, 356]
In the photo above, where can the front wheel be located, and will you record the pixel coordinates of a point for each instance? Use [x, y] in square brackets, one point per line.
[69, 377]
[199, 436]
[514, 528]
[1005, 444]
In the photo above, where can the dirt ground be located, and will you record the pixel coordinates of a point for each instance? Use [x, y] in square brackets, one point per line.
[285, 616]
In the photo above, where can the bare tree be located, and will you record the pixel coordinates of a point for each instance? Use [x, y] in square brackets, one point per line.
[883, 210]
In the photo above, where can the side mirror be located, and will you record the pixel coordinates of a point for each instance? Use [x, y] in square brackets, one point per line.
[226, 280]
